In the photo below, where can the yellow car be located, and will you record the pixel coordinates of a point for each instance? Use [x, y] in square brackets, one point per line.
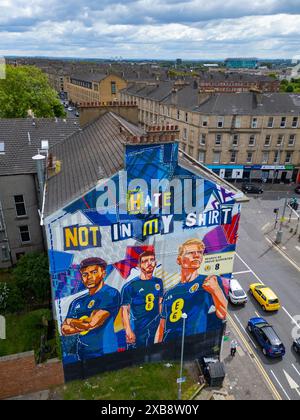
[265, 297]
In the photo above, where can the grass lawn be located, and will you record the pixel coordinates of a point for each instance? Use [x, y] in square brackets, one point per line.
[23, 332]
[154, 381]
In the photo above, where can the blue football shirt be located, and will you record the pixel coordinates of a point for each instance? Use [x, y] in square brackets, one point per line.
[143, 297]
[192, 299]
[101, 340]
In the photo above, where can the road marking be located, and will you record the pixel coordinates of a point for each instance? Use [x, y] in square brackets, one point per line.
[296, 369]
[266, 226]
[284, 391]
[276, 247]
[242, 272]
[245, 330]
[298, 248]
[293, 385]
[249, 269]
[290, 316]
[252, 355]
[257, 314]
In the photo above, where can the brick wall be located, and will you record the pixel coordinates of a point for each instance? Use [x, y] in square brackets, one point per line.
[20, 375]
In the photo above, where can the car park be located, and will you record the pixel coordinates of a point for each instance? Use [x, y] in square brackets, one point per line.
[265, 297]
[252, 189]
[237, 295]
[266, 336]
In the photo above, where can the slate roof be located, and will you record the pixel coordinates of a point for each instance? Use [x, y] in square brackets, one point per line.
[234, 77]
[89, 77]
[95, 153]
[251, 104]
[243, 103]
[19, 150]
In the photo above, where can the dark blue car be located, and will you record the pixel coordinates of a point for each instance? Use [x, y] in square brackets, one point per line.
[266, 336]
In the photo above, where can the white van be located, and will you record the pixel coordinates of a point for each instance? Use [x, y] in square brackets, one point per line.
[237, 295]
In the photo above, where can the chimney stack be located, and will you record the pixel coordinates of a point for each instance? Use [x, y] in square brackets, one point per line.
[157, 134]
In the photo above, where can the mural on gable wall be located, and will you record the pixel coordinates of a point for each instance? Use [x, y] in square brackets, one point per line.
[124, 274]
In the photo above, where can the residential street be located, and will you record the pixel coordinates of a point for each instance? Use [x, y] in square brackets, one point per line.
[259, 261]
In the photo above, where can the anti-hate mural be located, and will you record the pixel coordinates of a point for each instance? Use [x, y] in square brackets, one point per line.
[126, 265]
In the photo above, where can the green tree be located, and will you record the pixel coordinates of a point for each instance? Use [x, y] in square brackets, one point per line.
[290, 89]
[27, 88]
[32, 278]
[11, 299]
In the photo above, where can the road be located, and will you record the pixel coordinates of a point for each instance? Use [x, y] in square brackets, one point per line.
[258, 261]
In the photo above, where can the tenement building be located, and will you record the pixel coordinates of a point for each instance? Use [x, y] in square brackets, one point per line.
[20, 187]
[240, 136]
[93, 87]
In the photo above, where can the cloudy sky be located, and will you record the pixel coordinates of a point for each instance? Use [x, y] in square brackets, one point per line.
[196, 29]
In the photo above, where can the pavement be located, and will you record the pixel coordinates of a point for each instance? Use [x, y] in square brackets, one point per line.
[245, 376]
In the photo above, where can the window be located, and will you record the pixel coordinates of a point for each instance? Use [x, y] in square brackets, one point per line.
[25, 236]
[202, 157]
[113, 88]
[283, 122]
[280, 140]
[277, 157]
[289, 156]
[186, 117]
[96, 87]
[202, 139]
[254, 123]
[185, 135]
[218, 139]
[268, 140]
[233, 157]
[20, 205]
[2, 148]
[4, 253]
[191, 150]
[271, 122]
[265, 158]
[220, 122]
[238, 122]
[205, 122]
[217, 157]
[252, 140]
[249, 157]
[235, 139]
[295, 122]
[292, 140]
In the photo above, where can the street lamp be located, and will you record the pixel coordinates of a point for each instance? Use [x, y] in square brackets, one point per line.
[180, 380]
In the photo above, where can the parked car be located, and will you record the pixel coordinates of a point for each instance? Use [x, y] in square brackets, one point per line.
[252, 189]
[296, 345]
[266, 336]
[297, 189]
[76, 114]
[70, 109]
[237, 295]
[265, 297]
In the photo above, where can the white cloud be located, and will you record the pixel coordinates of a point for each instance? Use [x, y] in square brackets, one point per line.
[150, 28]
